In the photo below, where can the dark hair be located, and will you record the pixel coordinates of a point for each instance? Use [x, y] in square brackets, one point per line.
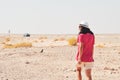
[85, 30]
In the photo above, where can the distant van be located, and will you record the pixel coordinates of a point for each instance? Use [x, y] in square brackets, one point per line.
[26, 35]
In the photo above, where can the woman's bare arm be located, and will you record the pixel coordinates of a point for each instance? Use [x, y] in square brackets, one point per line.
[80, 52]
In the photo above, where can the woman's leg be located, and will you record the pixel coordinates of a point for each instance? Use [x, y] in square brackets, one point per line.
[88, 74]
[79, 72]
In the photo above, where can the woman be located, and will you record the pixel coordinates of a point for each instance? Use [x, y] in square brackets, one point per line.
[84, 56]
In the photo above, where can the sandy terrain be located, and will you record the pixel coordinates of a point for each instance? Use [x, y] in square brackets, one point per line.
[57, 61]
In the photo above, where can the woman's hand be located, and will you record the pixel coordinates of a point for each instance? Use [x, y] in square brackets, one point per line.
[79, 61]
[78, 66]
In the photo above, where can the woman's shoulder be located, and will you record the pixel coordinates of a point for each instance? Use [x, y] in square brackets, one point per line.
[87, 34]
[81, 34]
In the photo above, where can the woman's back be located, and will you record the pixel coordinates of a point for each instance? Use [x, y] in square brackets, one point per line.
[88, 45]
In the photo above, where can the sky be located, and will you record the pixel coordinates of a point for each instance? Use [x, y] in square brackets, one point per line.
[59, 16]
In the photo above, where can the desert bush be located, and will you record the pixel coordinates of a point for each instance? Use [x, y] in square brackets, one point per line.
[23, 44]
[7, 39]
[8, 46]
[55, 39]
[43, 37]
[35, 41]
[42, 41]
[72, 41]
[2, 42]
[17, 45]
[59, 39]
[100, 45]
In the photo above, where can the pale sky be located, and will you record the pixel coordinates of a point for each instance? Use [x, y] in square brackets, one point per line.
[59, 16]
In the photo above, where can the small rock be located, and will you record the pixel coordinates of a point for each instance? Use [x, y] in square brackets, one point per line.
[74, 70]
[65, 69]
[118, 52]
[118, 67]
[111, 72]
[106, 68]
[66, 76]
[114, 72]
[41, 51]
[113, 69]
[27, 62]
[114, 49]
[35, 52]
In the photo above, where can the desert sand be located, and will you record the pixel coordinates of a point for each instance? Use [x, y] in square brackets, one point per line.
[51, 58]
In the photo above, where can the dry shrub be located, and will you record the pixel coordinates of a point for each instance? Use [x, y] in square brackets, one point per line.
[42, 41]
[100, 45]
[7, 39]
[3, 43]
[43, 37]
[56, 39]
[35, 41]
[8, 46]
[59, 39]
[17, 45]
[23, 44]
[72, 41]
